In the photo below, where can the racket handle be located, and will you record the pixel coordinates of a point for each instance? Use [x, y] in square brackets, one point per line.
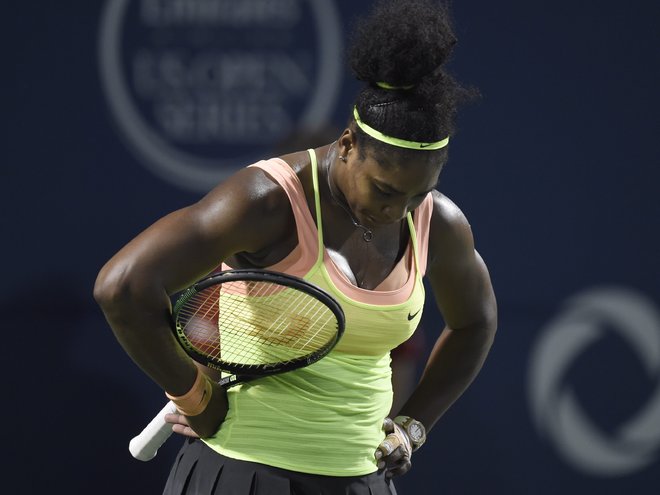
[144, 446]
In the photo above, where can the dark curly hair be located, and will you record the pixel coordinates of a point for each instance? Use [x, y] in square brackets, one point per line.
[406, 43]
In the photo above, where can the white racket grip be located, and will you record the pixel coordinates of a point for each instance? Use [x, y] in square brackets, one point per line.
[144, 446]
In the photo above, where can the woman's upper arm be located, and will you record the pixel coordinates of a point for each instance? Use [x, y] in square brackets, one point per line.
[458, 275]
[247, 212]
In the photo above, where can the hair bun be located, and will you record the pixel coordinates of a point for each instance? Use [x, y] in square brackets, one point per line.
[401, 42]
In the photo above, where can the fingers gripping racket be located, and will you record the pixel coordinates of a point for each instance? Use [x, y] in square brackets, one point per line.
[251, 324]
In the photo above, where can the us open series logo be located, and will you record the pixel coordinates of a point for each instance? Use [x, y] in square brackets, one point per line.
[199, 88]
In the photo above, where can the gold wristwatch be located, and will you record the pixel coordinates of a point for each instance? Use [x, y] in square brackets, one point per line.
[415, 430]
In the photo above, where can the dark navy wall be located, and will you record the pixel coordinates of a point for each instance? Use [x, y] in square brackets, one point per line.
[557, 168]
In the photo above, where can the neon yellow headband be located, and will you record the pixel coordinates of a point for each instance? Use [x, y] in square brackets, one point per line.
[385, 85]
[401, 143]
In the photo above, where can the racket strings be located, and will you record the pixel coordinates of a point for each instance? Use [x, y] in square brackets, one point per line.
[200, 314]
[295, 325]
[247, 339]
[256, 323]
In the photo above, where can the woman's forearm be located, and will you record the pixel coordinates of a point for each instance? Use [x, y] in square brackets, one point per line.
[140, 320]
[454, 362]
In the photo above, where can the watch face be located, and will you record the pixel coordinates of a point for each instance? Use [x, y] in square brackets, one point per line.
[415, 431]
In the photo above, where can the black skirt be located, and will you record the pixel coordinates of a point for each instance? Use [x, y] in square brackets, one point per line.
[199, 470]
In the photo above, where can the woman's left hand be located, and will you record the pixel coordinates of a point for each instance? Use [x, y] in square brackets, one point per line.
[180, 425]
[394, 452]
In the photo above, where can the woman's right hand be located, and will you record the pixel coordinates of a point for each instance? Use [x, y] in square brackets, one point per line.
[208, 422]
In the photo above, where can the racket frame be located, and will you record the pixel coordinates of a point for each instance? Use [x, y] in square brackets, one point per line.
[242, 372]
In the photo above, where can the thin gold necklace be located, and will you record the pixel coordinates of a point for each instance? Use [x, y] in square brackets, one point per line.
[367, 235]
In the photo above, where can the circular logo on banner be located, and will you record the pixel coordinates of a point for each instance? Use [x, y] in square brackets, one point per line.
[199, 88]
[555, 407]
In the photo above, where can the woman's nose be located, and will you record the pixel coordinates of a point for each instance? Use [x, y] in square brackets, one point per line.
[394, 212]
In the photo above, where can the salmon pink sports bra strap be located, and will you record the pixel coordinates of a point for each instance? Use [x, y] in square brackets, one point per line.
[286, 177]
[423, 227]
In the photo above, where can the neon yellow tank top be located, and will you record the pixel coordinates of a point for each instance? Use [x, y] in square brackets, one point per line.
[327, 418]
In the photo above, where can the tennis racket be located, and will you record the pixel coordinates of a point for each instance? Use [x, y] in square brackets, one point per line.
[251, 324]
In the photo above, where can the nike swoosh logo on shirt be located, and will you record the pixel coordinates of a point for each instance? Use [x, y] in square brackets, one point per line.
[410, 317]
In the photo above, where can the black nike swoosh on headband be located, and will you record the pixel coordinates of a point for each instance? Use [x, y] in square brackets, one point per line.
[424, 145]
[410, 317]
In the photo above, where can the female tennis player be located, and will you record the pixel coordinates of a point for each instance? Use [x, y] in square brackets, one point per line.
[360, 218]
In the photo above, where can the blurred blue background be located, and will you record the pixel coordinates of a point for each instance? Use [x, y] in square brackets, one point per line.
[117, 112]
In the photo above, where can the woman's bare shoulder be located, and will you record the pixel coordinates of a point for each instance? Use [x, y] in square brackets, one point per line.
[450, 233]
